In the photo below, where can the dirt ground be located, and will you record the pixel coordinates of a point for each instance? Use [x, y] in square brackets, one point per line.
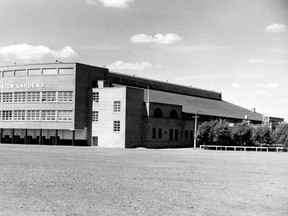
[49, 180]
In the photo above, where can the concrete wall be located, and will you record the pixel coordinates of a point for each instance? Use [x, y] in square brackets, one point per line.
[38, 83]
[103, 129]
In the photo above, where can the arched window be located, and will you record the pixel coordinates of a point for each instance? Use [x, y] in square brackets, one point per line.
[173, 114]
[158, 113]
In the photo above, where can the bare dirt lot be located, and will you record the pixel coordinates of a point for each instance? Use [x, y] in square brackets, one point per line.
[48, 180]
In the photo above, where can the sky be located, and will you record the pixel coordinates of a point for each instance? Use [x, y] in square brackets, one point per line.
[236, 47]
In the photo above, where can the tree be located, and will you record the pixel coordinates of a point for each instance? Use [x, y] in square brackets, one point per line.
[280, 135]
[205, 133]
[242, 133]
[262, 134]
[214, 133]
[222, 133]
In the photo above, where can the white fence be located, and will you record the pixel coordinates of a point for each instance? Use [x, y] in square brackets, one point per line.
[244, 148]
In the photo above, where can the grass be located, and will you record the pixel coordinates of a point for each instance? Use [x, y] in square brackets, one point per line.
[55, 180]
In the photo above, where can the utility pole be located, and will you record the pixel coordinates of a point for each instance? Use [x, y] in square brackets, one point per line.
[195, 129]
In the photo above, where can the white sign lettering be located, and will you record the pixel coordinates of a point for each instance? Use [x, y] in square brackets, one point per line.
[22, 86]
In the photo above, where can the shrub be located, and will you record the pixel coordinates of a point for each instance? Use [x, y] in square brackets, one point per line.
[280, 135]
[242, 133]
[222, 133]
[214, 133]
[205, 133]
[262, 134]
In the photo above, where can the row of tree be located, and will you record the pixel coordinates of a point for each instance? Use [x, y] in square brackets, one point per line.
[221, 133]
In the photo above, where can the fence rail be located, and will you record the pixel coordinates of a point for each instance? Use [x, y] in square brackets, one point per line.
[244, 148]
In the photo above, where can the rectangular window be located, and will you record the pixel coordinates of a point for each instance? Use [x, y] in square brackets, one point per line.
[9, 73]
[33, 97]
[65, 115]
[171, 134]
[159, 133]
[7, 115]
[20, 73]
[65, 96]
[19, 97]
[34, 72]
[176, 134]
[7, 97]
[49, 71]
[117, 106]
[95, 97]
[19, 115]
[66, 71]
[0, 97]
[116, 126]
[49, 96]
[154, 133]
[48, 115]
[33, 115]
[95, 116]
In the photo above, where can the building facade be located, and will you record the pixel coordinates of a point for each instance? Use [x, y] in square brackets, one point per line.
[77, 104]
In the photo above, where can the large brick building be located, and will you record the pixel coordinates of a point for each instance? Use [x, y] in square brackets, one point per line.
[77, 104]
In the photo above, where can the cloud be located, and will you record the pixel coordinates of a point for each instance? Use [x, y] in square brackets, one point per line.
[113, 3]
[120, 65]
[168, 38]
[257, 60]
[283, 100]
[235, 85]
[276, 28]
[28, 52]
[276, 50]
[279, 62]
[261, 92]
[91, 2]
[270, 85]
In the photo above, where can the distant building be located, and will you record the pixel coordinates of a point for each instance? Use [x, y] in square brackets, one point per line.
[77, 104]
[273, 122]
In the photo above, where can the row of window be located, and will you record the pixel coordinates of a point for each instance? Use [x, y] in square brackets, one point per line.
[36, 72]
[36, 115]
[173, 134]
[36, 97]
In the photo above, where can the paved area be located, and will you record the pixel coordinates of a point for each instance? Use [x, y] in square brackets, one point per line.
[55, 180]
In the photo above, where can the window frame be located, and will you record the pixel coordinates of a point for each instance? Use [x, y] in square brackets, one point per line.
[117, 106]
[19, 115]
[116, 126]
[33, 115]
[95, 116]
[33, 97]
[18, 97]
[65, 97]
[49, 97]
[95, 97]
[48, 115]
[65, 115]
[7, 97]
